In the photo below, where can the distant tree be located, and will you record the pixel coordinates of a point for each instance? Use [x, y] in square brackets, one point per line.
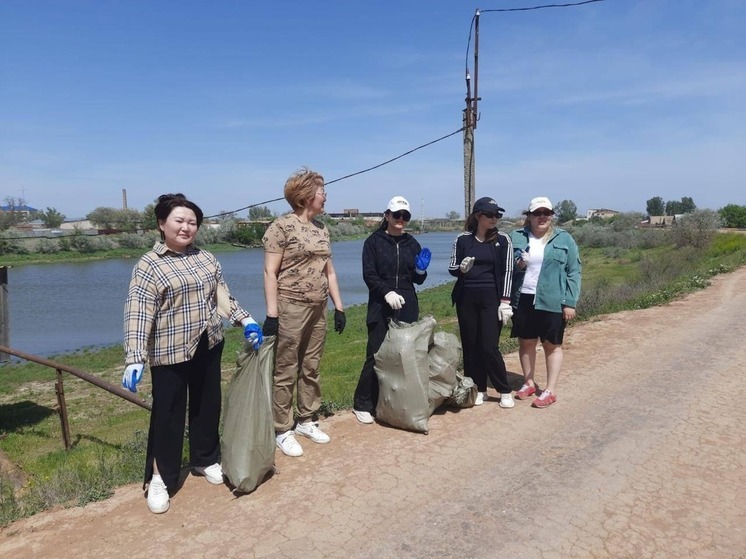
[655, 206]
[52, 218]
[733, 215]
[127, 220]
[12, 215]
[225, 215]
[687, 205]
[453, 215]
[684, 206]
[259, 212]
[566, 210]
[148, 221]
[103, 217]
[625, 221]
[112, 218]
[673, 207]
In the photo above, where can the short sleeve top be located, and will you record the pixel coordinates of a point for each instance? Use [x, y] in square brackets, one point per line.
[305, 248]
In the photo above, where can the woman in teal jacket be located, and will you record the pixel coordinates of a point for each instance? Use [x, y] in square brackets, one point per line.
[546, 287]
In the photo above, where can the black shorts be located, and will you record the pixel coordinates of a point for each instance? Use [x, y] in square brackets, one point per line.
[529, 324]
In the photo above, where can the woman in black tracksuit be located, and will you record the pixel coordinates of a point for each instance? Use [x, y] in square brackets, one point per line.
[392, 263]
[482, 260]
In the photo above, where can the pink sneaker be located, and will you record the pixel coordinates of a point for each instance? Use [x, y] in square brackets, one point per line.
[525, 391]
[546, 399]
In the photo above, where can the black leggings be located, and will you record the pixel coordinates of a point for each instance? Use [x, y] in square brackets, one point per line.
[366, 393]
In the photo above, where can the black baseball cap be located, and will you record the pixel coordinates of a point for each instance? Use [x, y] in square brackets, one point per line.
[487, 204]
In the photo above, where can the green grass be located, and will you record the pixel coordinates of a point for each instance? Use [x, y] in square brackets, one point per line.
[109, 434]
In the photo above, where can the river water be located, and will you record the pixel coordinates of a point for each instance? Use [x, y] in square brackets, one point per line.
[59, 308]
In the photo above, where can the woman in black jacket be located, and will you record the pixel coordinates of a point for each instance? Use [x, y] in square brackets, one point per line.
[482, 260]
[392, 263]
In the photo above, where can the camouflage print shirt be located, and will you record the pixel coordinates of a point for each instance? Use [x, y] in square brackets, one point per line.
[305, 250]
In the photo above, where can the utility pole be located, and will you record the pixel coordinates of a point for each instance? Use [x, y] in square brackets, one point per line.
[470, 124]
[422, 215]
[4, 313]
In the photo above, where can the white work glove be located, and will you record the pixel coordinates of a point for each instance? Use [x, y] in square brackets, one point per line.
[132, 376]
[505, 312]
[466, 264]
[394, 300]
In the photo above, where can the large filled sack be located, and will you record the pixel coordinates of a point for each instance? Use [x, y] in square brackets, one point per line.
[443, 360]
[403, 373]
[248, 443]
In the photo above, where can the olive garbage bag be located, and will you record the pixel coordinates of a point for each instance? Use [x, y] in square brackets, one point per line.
[248, 442]
[403, 375]
[443, 359]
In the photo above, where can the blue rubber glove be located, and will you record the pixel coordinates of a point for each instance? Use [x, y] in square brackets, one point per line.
[422, 260]
[252, 332]
[132, 376]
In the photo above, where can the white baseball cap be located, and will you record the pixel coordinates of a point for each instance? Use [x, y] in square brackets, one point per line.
[398, 203]
[540, 202]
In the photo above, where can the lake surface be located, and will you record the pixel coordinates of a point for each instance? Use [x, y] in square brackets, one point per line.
[58, 308]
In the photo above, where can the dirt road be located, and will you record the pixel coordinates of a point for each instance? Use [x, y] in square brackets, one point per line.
[644, 455]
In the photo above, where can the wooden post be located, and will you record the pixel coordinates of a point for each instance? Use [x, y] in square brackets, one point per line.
[4, 314]
[60, 390]
[469, 187]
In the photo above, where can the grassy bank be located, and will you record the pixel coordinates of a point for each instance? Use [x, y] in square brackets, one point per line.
[109, 434]
[109, 254]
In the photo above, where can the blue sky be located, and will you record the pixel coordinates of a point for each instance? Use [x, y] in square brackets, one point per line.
[606, 104]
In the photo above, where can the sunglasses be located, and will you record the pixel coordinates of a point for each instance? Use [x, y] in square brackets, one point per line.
[403, 214]
[545, 213]
[491, 215]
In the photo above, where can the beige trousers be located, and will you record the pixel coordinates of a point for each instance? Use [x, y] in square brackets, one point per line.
[300, 345]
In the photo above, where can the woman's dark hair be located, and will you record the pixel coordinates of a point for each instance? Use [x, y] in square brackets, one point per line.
[471, 225]
[167, 203]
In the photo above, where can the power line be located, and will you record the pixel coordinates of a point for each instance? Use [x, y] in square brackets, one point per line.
[468, 45]
[526, 9]
[346, 176]
[569, 5]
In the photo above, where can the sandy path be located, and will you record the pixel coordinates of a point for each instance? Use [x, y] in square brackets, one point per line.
[644, 455]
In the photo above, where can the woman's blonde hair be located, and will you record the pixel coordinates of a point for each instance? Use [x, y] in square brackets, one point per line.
[302, 186]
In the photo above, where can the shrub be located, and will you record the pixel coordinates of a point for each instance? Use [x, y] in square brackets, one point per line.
[132, 240]
[11, 246]
[104, 243]
[696, 229]
[48, 246]
[250, 235]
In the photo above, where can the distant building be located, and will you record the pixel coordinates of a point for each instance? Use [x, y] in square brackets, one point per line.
[76, 224]
[23, 209]
[659, 221]
[369, 218]
[601, 212]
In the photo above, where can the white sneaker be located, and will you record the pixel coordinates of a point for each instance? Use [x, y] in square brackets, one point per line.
[312, 431]
[363, 416]
[480, 399]
[288, 445]
[506, 400]
[213, 474]
[158, 501]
